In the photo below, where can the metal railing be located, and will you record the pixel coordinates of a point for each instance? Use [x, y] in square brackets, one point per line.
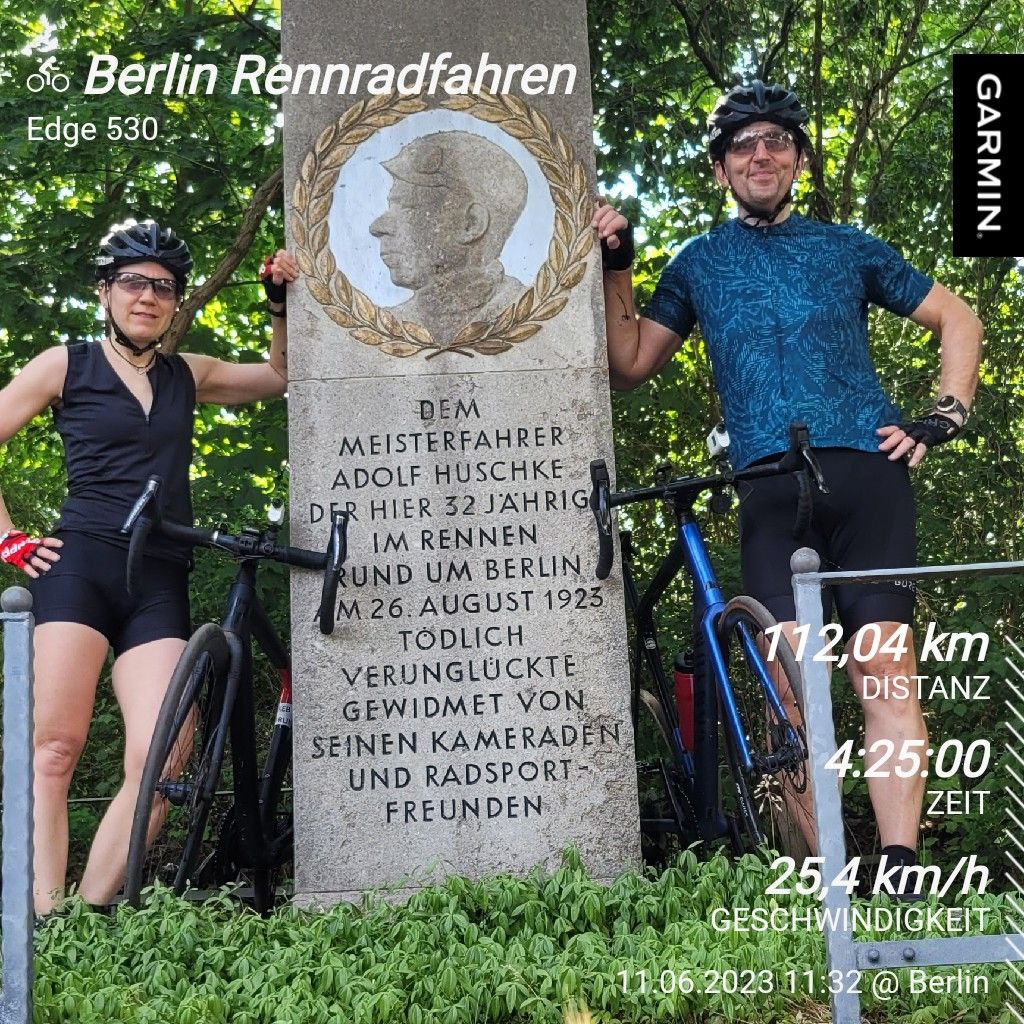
[17, 916]
[844, 953]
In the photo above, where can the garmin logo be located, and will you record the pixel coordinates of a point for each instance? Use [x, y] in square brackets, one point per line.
[986, 87]
[990, 144]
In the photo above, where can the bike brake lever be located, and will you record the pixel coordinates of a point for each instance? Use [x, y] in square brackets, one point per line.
[339, 539]
[812, 463]
[600, 485]
[337, 551]
[147, 498]
[601, 508]
[800, 441]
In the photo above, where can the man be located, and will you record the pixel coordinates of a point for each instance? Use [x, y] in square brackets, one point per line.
[782, 304]
[455, 200]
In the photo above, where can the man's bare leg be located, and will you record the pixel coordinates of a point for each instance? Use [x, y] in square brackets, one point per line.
[896, 801]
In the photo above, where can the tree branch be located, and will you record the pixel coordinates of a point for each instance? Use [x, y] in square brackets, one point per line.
[819, 200]
[693, 34]
[876, 84]
[114, 191]
[953, 40]
[257, 28]
[261, 199]
[884, 152]
[788, 16]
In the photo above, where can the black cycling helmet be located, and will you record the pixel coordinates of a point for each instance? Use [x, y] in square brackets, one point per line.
[745, 104]
[146, 242]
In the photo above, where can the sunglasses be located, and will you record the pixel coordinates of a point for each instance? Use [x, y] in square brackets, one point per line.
[776, 140]
[135, 284]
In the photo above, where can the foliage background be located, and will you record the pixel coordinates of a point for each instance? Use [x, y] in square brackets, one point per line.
[876, 78]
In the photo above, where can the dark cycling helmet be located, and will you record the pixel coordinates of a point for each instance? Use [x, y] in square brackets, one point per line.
[144, 243]
[745, 104]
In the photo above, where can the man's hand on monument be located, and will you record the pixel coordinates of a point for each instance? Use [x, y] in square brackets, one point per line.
[616, 236]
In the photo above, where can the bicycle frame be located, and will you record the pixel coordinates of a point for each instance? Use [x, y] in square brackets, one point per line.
[713, 695]
[255, 805]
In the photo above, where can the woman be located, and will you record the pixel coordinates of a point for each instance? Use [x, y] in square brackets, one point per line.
[124, 412]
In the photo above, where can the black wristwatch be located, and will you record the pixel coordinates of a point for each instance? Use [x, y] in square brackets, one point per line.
[947, 404]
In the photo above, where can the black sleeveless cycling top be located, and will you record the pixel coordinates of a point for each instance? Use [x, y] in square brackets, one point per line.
[112, 447]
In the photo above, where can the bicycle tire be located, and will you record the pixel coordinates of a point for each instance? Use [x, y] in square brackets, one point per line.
[198, 697]
[771, 801]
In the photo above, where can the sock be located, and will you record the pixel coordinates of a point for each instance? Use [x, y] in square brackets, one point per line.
[899, 854]
[905, 857]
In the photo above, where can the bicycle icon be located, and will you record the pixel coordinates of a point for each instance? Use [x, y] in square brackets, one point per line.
[48, 75]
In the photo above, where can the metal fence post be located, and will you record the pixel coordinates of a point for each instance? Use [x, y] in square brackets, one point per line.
[844, 952]
[17, 919]
[828, 811]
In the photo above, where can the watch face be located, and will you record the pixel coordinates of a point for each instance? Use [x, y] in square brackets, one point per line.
[951, 404]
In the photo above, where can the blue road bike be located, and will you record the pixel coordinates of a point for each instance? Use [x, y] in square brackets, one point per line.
[739, 678]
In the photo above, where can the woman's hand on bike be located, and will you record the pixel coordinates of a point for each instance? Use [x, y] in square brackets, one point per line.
[32, 555]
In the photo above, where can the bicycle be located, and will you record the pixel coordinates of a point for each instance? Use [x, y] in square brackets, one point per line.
[209, 701]
[46, 75]
[726, 681]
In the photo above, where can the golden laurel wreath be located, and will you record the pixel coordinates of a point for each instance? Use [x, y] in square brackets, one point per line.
[564, 267]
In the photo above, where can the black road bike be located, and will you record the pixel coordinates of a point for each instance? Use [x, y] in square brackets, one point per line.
[209, 707]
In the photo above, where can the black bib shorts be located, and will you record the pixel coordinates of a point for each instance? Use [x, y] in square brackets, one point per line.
[866, 521]
[88, 586]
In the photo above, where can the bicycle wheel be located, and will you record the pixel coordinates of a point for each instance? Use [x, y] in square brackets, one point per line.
[169, 829]
[772, 799]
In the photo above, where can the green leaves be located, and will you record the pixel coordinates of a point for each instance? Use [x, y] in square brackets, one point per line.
[469, 958]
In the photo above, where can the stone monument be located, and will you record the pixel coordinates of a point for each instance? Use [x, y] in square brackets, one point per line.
[448, 386]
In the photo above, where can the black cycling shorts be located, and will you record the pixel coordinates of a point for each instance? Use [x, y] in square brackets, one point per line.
[87, 586]
[866, 521]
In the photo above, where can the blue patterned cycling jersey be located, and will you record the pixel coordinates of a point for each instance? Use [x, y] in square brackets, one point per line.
[784, 314]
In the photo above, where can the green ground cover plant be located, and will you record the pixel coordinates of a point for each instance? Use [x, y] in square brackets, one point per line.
[501, 949]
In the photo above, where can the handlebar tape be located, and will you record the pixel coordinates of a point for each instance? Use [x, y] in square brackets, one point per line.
[804, 504]
[140, 534]
[602, 515]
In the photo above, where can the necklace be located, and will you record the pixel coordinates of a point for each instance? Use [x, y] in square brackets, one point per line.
[138, 369]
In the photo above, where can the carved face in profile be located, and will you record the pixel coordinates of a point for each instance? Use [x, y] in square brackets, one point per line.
[455, 199]
[419, 234]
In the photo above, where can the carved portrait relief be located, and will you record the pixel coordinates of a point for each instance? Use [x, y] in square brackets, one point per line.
[455, 200]
[460, 229]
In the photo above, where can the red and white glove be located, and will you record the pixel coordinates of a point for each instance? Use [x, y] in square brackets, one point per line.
[276, 292]
[16, 548]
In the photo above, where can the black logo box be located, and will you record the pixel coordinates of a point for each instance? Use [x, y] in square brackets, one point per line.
[988, 212]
